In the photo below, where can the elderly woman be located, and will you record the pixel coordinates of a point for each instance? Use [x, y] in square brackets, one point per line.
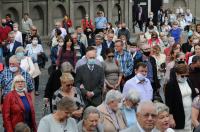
[112, 118]
[26, 62]
[90, 122]
[67, 90]
[18, 106]
[129, 107]
[163, 118]
[54, 83]
[61, 120]
[179, 93]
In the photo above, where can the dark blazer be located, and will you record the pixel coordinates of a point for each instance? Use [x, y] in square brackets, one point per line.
[82, 49]
[105, 46]
[7, 51]
[53, 54]
[92, 81]
[174, 101]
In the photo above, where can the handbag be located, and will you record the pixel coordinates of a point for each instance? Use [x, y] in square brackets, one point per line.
[37, 71]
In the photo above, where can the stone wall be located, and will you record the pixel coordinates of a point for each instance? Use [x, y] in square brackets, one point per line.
[45, 12]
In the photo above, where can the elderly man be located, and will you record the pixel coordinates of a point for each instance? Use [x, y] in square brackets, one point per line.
[78, 46]
[90, 79]
[81, 36]
[26, 25]
[112, 117]
[58, 26]
[90, 53]
[90, 122]
[18, 34]
[146, 117]
[10, 46]
[6, 77]
[140, 83]
[108, 43]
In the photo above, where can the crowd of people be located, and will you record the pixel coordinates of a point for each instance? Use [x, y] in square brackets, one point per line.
[99, 80]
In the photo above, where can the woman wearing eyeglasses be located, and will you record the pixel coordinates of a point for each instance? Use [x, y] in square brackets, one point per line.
[179, 94]
[18, 106]
[67, 90]
[112, 71]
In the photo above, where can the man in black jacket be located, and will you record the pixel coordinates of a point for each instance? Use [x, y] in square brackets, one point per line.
[107, 44]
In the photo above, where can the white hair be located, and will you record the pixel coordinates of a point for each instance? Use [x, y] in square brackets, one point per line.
[17, 78]
[144, 104]
[113, 95]
[160, 107]
[133, 96]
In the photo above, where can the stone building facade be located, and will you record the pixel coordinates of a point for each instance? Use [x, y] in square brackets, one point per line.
[45, 12]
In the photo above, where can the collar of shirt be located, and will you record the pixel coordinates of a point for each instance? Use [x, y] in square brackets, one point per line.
[138, 81]
[133, 55]
[140, 128]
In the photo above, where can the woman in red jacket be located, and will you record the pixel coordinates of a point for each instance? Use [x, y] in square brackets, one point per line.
[18, 106]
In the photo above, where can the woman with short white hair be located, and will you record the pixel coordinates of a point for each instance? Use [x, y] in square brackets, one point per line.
[129, 107]
[111, 116]
[163, 118]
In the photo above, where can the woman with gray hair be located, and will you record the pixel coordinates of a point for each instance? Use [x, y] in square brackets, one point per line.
[26, 62]
[129, 107]
[61, 120]
[111, 116]
[90, 122]
[18, 106]
[163, 118]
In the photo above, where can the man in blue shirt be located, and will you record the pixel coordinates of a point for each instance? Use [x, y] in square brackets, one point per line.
[124, 59]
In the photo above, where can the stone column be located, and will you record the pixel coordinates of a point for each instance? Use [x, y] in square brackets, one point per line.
[130, 18]
[1, 9]
[91, 10]
[71, 10]
[25, 6]
[125, 11]
[49, 16]
[110, 8]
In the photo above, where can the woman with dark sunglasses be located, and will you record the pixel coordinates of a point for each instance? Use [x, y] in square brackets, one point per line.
[67, 90]
[112, 72]
[179, 94]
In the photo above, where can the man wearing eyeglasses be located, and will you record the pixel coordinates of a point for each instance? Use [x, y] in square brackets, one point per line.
[146, 118]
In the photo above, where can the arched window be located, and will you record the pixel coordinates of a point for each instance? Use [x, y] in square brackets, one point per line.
[37, 16]
[79, 15]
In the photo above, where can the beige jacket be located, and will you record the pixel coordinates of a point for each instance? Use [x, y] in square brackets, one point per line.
[107, 120]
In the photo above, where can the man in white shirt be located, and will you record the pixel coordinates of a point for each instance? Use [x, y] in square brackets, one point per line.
[146, 118]
[188, 17]
[18, 34]
[58, 26]
[140, 83]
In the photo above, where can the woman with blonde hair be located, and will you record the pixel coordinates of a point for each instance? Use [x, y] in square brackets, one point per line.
[18, 106]
[67, 90]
